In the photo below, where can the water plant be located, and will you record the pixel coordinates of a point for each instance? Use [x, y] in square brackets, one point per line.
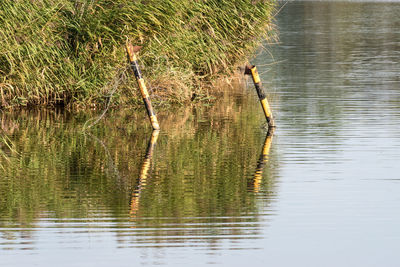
[65, 52]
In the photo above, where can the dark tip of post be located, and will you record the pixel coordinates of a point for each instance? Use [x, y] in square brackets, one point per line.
[247, 69]
[136, 48]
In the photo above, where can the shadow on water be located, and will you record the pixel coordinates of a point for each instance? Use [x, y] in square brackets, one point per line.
[54, 175]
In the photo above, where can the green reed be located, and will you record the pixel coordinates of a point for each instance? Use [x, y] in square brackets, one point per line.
[65, 52]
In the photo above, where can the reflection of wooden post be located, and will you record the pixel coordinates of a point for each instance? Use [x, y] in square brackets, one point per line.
[252, 70]
[256, 182]
[143, 173]
[131, 50]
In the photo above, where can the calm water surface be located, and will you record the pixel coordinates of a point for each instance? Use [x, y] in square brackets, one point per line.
[213, 187]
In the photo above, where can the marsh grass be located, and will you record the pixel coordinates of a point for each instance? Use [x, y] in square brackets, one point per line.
[65, 52]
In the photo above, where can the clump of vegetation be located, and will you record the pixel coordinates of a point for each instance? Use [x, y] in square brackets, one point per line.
[66, 52]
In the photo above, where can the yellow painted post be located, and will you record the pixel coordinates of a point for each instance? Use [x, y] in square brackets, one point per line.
[255, 185]
[143, 173]
[252, 70]
[142, 86]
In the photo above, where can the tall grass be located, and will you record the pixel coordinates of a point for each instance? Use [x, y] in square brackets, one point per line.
[65, 52]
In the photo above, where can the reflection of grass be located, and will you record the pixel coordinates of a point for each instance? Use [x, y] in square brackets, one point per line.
[4, 144]
[200, 167]
[64, 51]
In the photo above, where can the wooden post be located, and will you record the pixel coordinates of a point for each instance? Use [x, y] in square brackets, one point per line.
[252, 70]
[131, 50]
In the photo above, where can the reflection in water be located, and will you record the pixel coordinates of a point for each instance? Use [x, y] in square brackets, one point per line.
[113, 171]
[338, 113]
[63, 187]
[144, 173]
[255, 183]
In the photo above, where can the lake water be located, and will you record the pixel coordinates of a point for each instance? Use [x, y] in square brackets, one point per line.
[213, 188]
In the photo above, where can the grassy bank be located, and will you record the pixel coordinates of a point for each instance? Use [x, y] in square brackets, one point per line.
[69, 52]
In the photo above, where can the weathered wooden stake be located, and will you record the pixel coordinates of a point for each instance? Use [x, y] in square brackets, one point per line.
[131, 50]
[252, 70]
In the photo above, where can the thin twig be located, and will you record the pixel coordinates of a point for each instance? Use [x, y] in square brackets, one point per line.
[114, 85]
